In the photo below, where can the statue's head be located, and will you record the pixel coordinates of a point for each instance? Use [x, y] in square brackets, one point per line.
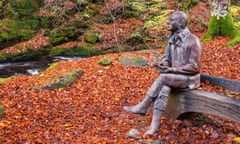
[178, 20]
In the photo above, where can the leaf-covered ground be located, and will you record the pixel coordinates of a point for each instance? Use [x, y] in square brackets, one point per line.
[90, 111]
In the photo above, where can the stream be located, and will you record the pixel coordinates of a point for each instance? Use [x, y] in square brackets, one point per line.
[30, 67]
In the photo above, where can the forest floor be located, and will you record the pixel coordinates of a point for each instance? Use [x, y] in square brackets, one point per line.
[90, 110]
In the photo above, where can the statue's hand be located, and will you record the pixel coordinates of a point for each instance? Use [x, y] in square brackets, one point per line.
[163, 69]
[166, 69]
[159, 64]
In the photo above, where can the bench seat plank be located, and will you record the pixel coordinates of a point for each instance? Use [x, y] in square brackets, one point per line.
[201, 101]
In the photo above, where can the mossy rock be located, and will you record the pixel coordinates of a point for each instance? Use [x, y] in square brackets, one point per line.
[69, 32]
[105, 61]
[29, 54]
[130, 60]
[93, 38]
[64, 81]
[1, 110]
[14, 31]
[75, 51]
[19, 22]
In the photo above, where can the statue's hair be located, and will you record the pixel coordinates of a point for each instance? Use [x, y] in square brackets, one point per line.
[183, 18]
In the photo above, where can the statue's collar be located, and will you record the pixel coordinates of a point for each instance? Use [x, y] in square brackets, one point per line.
[179, 36]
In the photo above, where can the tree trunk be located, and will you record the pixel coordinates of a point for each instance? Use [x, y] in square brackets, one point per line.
[219, 8]
[221, 23]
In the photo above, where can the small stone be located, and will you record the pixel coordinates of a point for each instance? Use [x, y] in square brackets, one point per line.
[133, 133]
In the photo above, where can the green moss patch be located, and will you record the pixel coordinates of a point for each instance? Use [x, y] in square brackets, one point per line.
[75, 51]
[61, 81]
[92, 38]
[53, 65]
[2, 80]
[105, 61]
[1, 110]
[69, 31]
[29, 54]
[223, 26]
[2, 57]
[130, 60]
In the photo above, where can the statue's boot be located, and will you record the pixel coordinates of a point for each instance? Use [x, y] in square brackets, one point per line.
[155, 123]
[159, 107]
[140, 108]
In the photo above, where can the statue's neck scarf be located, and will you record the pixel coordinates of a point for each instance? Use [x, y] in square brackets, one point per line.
[179, 37]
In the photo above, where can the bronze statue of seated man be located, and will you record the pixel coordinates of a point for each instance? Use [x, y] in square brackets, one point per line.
[179, 68]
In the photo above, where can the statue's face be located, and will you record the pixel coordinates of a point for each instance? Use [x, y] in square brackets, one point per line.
[173, 23]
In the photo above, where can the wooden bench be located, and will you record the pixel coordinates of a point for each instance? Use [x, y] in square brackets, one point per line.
[200, 101]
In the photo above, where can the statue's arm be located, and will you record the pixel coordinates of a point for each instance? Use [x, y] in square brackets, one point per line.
[193, 65]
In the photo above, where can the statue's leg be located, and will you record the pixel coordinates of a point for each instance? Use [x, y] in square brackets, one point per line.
[159, 106]
[152, 93]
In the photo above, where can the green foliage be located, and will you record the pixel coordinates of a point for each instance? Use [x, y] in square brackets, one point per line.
[53, 65]
[2, 57]
[93, 38]
[187, 4]
[62, 35]
[138, 6]
[9, 30]
[69, 31]
[144, 9]
[92, 10]
[76, 51]
[15, 30]
[105, 61]
[2, 80]
[223, 26]
[234, 41]
[130, 60]
[20, 21]
[157, 20]
[65, 80]
[235, 11]
[136, 34]
[9, 11]
[1, 110]
[25, 9]
[82, 2]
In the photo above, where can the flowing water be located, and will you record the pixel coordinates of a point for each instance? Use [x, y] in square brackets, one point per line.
[30, 67]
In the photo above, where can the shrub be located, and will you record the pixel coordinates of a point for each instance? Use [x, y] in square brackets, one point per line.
[105, 61]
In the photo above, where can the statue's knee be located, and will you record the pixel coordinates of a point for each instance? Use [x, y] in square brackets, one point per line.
[164, 91]
[162, 99]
